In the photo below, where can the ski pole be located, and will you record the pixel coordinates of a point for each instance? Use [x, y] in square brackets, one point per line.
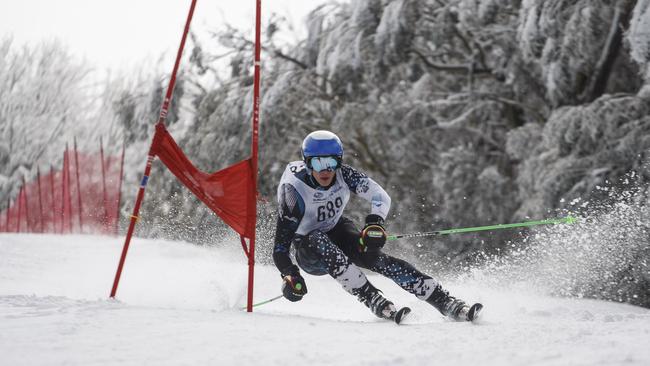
[564, 220]
[263, 302]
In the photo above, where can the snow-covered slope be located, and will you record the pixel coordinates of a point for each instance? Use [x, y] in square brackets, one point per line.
[178, 304]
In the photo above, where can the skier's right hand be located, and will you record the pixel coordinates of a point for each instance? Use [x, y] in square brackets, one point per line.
[373, 236]
[293, 286]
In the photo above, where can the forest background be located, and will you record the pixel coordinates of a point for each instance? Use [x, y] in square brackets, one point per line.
[468, 112]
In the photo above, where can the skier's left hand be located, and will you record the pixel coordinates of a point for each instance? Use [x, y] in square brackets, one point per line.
[293, 285]
[373, 235]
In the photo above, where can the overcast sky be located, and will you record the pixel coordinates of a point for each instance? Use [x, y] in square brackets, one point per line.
[122, 33]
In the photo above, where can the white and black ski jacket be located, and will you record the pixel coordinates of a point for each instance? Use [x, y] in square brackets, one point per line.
[305, 206]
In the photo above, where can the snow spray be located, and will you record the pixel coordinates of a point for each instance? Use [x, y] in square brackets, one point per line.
[604, 256]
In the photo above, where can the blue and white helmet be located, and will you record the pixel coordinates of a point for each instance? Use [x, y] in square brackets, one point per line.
[322, 144]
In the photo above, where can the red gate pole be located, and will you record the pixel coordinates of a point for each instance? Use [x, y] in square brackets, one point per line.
[53, 201]
[254, 154]
[67, 182]
[63, 170]
[104, 198]
[27, 226]
[40, 199]
[20, 208]
[119, 193]
[65, 157]
[76, 163]
[147, 170]
[8, 212]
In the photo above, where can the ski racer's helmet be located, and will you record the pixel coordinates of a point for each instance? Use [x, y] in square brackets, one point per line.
[322, 150]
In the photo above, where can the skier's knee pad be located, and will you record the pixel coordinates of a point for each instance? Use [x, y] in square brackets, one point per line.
[310, 261]
[308, 256]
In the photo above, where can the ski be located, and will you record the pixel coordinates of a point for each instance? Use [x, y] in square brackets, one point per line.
[400, 314]
[474, 312]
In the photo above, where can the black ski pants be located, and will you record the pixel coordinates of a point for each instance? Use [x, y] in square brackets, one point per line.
[336, 253]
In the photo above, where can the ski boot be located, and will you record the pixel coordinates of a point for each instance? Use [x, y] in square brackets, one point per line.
[453, 308]
[370, 296]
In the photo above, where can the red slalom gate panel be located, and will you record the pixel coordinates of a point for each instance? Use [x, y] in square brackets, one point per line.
[227, 192]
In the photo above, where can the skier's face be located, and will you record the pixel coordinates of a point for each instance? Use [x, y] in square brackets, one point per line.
[324, 178]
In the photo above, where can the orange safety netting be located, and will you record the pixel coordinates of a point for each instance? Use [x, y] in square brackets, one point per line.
[83, 197]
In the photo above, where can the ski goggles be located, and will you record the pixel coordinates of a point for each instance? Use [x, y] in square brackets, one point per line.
[320, 163]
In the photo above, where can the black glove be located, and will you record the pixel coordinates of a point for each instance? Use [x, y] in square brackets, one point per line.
[293, 285]
[373, 235]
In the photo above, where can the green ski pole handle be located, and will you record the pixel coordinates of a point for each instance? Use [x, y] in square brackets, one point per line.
[564, 220]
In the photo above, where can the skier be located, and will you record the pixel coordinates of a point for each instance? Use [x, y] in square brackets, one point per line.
[312, 195]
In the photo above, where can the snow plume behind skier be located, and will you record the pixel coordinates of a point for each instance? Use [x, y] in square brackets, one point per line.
[312, 196]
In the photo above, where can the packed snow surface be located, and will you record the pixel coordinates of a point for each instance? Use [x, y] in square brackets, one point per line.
[179, 304]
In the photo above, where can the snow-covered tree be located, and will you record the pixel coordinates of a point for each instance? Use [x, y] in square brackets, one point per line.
[639, 36]
[43, 98]
[575, 47]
